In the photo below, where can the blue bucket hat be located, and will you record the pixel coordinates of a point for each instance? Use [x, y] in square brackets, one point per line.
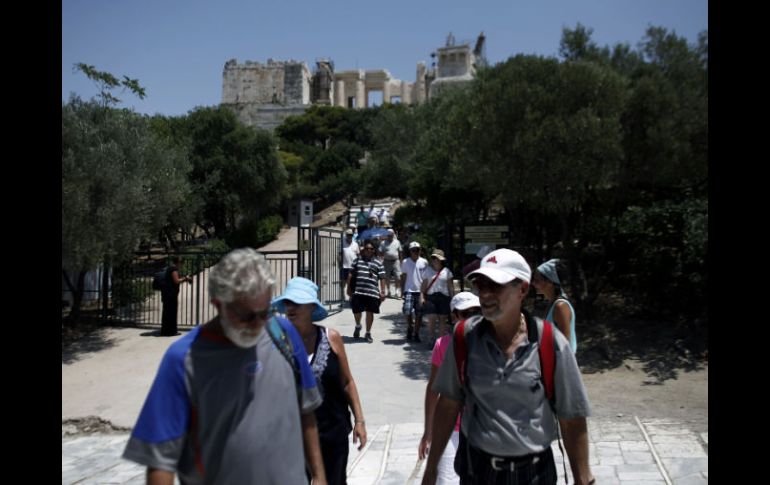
[548, 270]
[301, 290]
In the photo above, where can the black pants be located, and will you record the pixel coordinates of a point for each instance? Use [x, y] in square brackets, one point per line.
[481, 471]
[168, 320]
[335, 457]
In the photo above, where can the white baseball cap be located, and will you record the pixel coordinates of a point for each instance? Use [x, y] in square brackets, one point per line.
[414, 244]
[503, 266]
[463, 301]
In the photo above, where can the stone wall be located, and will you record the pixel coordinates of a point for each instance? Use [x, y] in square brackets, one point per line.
[265, 116]
[277, 82]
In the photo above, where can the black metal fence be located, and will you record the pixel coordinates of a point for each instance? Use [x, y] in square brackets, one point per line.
[131, 300]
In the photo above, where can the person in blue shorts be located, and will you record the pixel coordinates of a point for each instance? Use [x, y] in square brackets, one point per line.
[228, 406]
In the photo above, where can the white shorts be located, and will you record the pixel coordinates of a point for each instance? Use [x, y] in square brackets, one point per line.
[446, 466]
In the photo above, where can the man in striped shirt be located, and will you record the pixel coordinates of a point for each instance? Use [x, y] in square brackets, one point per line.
[366, 287]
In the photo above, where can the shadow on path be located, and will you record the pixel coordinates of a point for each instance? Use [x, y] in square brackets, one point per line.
[88, 341]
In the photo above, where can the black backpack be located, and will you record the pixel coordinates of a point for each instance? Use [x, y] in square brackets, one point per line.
[159, 280]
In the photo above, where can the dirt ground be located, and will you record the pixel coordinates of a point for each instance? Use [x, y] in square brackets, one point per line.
[647, 368]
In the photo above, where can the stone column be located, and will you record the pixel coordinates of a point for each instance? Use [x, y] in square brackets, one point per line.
[360, 94]
[339, 94]
[419, 85]
[406, 92]
[386, 92]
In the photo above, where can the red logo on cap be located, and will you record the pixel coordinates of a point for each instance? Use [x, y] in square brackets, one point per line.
[492, 260]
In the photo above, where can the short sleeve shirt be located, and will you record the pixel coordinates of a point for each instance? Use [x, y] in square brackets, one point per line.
[212, 416]
[390, 249]
[505, 410]
[414, 273]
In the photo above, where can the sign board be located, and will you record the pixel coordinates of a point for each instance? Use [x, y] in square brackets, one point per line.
[478, 236]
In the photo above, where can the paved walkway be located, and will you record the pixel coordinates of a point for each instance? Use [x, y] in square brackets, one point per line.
[111, 379]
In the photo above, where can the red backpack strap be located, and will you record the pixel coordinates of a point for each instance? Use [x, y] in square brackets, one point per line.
[547, 358]
[461, 350]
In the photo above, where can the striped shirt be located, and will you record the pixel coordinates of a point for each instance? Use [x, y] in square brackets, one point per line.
[368, 274]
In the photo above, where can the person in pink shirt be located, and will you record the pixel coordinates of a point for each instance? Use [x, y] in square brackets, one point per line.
[463, 305]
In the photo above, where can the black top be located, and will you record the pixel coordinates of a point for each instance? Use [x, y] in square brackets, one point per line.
[333, 416]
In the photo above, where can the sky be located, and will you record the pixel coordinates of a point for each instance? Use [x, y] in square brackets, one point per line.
[177, 49]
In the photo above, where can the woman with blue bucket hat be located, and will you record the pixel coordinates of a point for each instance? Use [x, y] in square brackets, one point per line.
[326, 354]
[547, 282]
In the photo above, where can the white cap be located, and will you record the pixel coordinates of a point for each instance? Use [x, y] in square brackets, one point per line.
[463, 301]
[503, 266]
[414, 244]
[349, 232]
[391, 231]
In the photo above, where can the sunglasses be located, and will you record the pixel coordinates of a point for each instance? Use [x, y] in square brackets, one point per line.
[479, 285]
[248, 317]
[467, 313]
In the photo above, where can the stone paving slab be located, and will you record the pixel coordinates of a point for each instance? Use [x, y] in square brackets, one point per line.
[390, 457]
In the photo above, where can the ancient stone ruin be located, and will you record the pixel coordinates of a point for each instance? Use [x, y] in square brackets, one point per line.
[263, 95]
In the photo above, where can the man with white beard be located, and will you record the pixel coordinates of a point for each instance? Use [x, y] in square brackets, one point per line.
[232, 401]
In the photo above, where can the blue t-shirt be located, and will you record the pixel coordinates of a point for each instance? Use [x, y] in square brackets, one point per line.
[217, 413]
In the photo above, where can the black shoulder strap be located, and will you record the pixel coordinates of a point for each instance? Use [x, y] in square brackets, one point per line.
[546, 356]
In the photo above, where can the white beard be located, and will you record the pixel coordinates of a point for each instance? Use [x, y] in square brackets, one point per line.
[243, 338]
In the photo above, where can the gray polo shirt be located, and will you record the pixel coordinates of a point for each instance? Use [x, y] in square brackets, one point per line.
[505, 410]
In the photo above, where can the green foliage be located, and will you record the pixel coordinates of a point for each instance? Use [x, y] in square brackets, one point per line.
[255, 234]
[218, 246]
[107, 82]
[666, 244]
[236, 169]
[120, 183]
[591, 153]
[132, 290]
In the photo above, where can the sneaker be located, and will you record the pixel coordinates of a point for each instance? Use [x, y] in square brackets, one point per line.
[368, 337]
[357, 332]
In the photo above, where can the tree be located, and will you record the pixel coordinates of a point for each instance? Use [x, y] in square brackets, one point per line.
[235, 168]
[119, 185]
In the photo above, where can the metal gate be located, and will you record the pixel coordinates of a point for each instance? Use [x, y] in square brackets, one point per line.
[132, 300]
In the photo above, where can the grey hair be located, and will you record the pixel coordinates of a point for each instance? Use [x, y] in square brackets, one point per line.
[242, 272]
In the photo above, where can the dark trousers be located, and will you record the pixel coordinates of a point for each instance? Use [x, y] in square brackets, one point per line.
[168, 320]
[335, 457]
[475, 467]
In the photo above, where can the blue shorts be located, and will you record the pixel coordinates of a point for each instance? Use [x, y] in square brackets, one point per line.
[411, 305]
[437, 304]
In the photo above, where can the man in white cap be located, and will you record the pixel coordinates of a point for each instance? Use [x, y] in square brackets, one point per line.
[411, 283]
[390, 249]
[508, 424]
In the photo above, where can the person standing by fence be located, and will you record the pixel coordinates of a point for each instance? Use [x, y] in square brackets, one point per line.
[169, 295]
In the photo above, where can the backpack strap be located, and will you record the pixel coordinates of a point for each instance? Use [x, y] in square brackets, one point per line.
[283, 344]
[461, 350]
[546, 354]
